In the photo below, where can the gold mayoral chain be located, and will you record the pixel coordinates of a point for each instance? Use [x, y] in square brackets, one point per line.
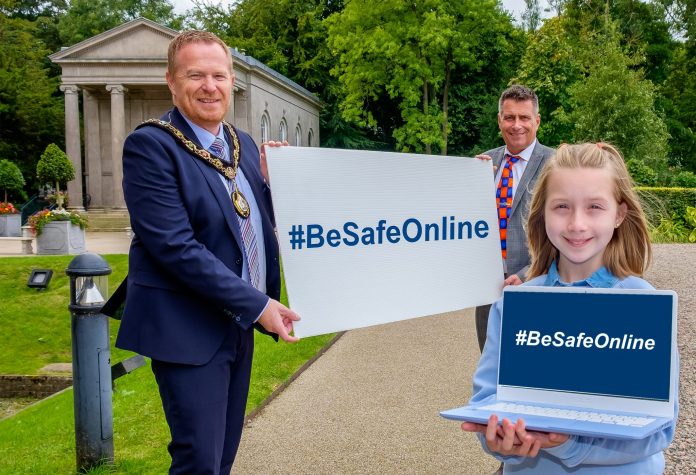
[227, 169]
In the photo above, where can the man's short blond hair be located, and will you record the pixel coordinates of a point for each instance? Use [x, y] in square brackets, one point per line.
[192, 36]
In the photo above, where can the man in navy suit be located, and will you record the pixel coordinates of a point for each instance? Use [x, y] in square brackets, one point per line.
[197, 287]
[518, 120]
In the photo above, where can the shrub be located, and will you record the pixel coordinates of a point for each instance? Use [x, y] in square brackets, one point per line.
[669, 230]
[690, 219]
[11, 178]
[666, 203]
[54, 167]
[641, 173]
[684, 179]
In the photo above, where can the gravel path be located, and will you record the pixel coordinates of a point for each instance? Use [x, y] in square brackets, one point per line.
[370, 404]
[672, 268]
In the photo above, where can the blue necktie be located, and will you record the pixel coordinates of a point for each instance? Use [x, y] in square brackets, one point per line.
[219, 149]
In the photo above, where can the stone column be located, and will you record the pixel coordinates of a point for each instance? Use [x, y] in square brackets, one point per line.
[241, 113]
[72, 143]
[118, 135]
[93, 164]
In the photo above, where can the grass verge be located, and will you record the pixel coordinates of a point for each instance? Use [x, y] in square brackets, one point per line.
[40, 439]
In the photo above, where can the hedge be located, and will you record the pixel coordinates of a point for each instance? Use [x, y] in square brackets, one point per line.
[662, 202]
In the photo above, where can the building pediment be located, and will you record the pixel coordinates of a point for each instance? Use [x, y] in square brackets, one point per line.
[135, 41]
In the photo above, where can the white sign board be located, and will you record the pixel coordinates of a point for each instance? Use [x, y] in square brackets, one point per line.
[375, 237]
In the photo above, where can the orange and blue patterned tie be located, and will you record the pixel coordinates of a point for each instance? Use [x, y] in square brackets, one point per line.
[503, 198]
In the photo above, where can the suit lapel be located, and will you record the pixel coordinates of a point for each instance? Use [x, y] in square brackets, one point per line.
[498, 160]
[212, 177]
[529, 171]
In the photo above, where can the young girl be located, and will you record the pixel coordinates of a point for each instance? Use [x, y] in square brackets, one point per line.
[586, 228]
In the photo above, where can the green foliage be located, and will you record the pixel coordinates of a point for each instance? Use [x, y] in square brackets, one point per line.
[551, 64]
[642, 174]
[31, 107]
[54, 167]
[617, 105]
[403, 55]
[690, 218]
[669, 230]
[666, 203]
[290, 36]
[87, 18]
[684, 179]
[11, 178]
[473, 98]
[679, 103]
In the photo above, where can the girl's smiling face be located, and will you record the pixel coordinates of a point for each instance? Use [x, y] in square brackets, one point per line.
[581, 214]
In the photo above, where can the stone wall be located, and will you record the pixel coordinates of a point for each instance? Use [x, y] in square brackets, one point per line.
[14, 386]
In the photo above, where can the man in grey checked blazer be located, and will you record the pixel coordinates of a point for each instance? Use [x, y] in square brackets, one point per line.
[518, 120]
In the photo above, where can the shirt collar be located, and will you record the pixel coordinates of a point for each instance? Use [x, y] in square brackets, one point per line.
[525, 154]
[205, 138]
[601, 278]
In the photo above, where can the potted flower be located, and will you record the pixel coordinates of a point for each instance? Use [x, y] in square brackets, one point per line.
[58, 231]
[11, 179]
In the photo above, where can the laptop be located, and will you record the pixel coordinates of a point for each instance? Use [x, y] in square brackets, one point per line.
[584, 361]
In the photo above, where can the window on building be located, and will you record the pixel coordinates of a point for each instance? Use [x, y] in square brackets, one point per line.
[298, 136]
[310, 138]
[283, 136]
[265, 128]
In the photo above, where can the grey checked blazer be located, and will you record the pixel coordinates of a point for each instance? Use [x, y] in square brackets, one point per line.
[517, 253]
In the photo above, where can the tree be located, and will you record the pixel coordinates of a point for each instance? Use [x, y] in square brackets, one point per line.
[87, 18]
[615, 103]
[31, 106]
[531, 17]
[550, 66]
[290, 37]
[402, 55]
[11, 178]
[55, 167]
[679, 89]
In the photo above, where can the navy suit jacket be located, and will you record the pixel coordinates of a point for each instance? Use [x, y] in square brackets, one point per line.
[185, 265]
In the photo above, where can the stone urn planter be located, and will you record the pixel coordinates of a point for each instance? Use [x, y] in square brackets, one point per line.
[61, 237]
[10, 225]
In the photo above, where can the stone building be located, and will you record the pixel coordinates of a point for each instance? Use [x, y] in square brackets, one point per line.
[120, 76]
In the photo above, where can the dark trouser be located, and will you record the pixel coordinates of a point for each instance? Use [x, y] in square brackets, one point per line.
[204, 406]
[482, 324]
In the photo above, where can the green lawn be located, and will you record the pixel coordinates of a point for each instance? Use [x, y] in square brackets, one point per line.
[40, 439]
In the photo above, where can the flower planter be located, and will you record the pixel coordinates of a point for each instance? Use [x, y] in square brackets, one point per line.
[61, 237]
[10, 225]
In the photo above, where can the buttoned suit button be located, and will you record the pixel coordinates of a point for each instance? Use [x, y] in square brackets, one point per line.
[238, 261]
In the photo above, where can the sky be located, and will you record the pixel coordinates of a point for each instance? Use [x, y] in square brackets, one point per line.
[515, 6]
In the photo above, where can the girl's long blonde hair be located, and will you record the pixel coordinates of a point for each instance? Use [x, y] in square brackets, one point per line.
[629, 251]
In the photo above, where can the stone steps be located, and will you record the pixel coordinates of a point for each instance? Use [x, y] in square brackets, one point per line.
[108, 221]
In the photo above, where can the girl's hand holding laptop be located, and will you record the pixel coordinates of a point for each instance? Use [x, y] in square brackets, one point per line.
[513, 439]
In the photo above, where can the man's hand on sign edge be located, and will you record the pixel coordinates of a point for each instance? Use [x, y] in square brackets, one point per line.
[277, 318]
[513, 279]
[484, 157]
[264, 164]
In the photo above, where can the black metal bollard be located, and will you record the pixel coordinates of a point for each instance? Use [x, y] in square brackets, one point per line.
[91, 354]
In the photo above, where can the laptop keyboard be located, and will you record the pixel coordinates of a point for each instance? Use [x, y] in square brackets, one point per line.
[600, 417]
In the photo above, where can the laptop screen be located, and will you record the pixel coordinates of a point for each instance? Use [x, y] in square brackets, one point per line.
[595, 341]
